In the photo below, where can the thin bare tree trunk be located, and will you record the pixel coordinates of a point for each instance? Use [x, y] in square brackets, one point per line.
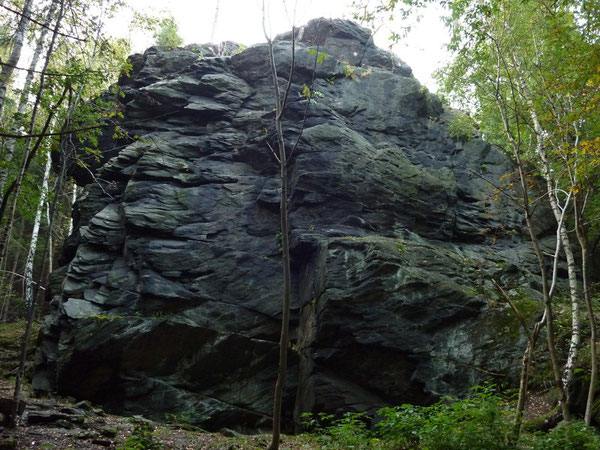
[524, 379]
[48, 257]
[49, 267]
[15, 54]
[7, 288]
[547, 305]
[567, 376]
[581, 233]
[593, 333]
[35, 233]
[533, 336]
[215, 21]
[525, 361]
[280, 106]
[29, 295]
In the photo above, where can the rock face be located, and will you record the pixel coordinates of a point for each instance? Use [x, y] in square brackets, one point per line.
[168, 301]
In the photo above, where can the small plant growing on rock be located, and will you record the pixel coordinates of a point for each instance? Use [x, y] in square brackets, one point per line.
[309, 94]
[240, 48]
[321, 56]
[142, 438]
[350, 72]
[461, 128]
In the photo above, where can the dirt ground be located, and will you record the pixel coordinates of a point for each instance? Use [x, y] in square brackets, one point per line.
[58, 423]
[62, 424]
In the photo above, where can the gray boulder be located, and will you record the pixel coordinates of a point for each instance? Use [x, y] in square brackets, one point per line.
[169, 298]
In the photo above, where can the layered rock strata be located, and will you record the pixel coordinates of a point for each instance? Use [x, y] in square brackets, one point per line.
[169, 297]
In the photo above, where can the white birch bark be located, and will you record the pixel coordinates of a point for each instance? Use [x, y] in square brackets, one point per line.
[575, 344]
[23, 100]
[73, 200]
[35, 234]
[567, 377]
[50, 241]
[15, 54]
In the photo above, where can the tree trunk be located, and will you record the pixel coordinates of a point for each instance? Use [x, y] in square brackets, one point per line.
[547, 307]
[29, 294]
[280, 106]
[567, 376]
[548, 313]
[28, 154]
[10, 144]
[16, 186]
[583, 244]
[73, 200]
[35, 234]
[15, 54]
[7, 288]
[523, 386]
[593, 348]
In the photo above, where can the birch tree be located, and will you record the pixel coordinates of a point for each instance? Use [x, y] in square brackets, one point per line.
[25, 93]
[77, 62]
[8, 67]
[29, 289]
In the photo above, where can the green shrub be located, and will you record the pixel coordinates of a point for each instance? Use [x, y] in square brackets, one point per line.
[480, 421]
[349, 432]
[402, 424]
[461, 127]
[575, 435]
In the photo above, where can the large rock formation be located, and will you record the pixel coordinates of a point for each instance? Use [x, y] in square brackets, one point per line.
[169, 298]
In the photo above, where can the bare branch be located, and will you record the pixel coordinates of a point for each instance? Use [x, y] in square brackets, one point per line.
[40, 23]
[520, 317]
[292, 67]
[274, 154]
[10, 272]
[48, 74]
[77, 130]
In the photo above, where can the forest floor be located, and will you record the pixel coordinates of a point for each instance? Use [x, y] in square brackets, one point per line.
[64, 423]
[59, 423]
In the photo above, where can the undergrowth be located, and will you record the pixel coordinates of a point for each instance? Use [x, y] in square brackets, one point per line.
[482, 421]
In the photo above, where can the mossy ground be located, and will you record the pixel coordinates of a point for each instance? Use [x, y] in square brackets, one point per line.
[11, 336]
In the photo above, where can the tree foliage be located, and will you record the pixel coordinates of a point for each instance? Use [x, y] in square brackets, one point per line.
[167, 33]
[73, 62]
[528, 72]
